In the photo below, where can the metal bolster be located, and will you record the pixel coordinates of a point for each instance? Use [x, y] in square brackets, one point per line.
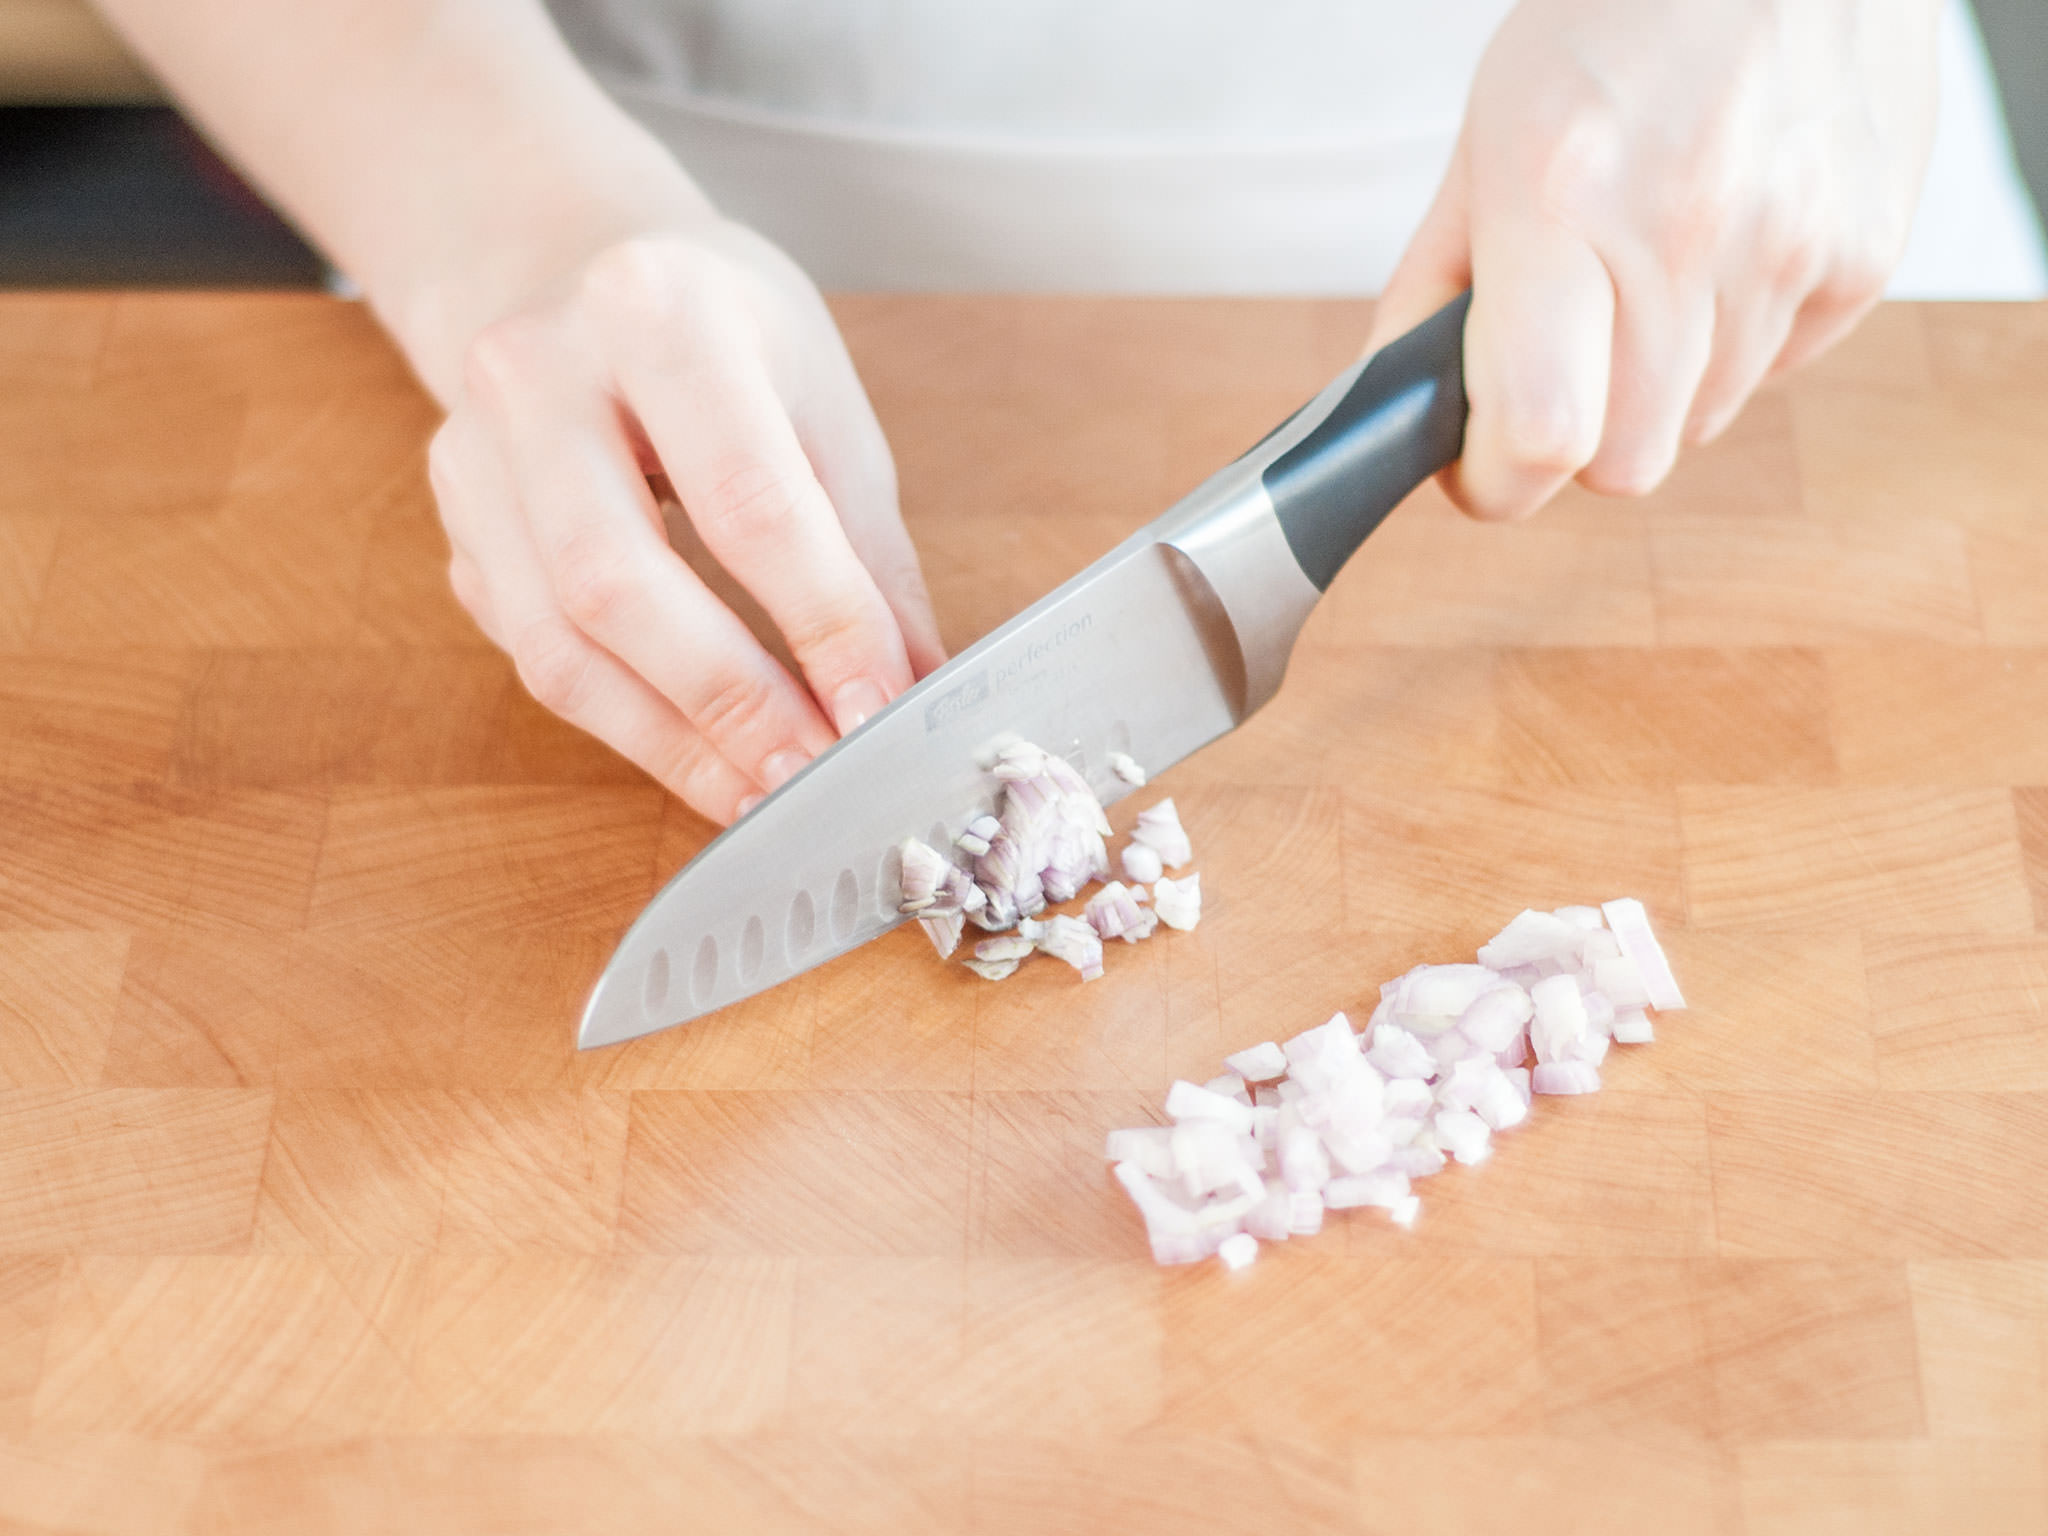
[1241, 552]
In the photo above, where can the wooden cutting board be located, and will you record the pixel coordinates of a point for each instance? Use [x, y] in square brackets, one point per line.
[312, 1221]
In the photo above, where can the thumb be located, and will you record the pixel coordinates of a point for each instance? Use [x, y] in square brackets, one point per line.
[1436, 267]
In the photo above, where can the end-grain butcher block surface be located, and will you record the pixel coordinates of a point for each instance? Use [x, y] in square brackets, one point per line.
[312, 1220]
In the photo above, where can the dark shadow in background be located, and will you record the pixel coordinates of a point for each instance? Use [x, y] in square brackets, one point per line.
[2016, 37]
[131, 197]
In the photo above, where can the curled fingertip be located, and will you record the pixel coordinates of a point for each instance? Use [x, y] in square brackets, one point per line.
[781, 767]
[856, 702]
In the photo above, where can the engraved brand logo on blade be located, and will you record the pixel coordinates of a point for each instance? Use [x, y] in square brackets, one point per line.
[956, 701]
[1038, 661]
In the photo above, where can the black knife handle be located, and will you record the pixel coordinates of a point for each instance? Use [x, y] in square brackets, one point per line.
[1402, 420]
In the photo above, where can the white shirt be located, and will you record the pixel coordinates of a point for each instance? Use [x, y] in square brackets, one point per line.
[1216, 146]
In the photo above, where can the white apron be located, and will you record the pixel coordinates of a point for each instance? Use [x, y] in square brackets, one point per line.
[1162, 146]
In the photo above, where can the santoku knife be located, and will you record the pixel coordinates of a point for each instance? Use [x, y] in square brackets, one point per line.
[1168, 641]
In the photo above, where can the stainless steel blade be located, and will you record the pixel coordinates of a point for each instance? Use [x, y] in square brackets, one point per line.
[1158, 648]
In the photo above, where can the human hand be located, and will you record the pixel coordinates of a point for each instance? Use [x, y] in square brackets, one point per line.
[704, 356]
[1658, 204]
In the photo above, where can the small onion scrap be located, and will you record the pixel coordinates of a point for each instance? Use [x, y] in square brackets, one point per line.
[1334, 1119]
[1045, 844]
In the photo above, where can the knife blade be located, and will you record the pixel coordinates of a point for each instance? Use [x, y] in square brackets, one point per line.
[1169, 641]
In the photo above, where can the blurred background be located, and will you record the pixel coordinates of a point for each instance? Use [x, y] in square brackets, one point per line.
[103, 184]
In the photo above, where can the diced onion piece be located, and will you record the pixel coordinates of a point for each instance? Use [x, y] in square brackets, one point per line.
[1560, 1022]
[1383, 1187]
[1268, 1220]
[1632, 1027]
[1583, 918]
[1071, 940]
[1565, 1077]
[1597, 946]
[1304, 1163]
[1261, 1063]
[1464, 1135]
[1149, 1146]
[1445, 990]
[1113, 914]
[1304, 1212]
[1396, 1053]
[1230, 1086]
[943, 929]
[1407, 1098]
[1266, 1126]
[1178, 902]
[1631, 925]
[993, 970]
[1403, 1212]
[1158, 828]
[1599, 1011]
[1141, 865]
[1621, 982]
[1531, 937]
[1418, 1159]
[1238, 1250]
[923, 868]
[1125, 767]
[1191, 1101]
[1495, 1017]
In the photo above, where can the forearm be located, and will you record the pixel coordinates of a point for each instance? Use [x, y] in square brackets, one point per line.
[450, 155]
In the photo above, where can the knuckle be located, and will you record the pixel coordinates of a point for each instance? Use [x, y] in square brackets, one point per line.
[823, 635]
[1635, 474]
[631, 278]
[1551, 437]
[1686, 222]
[749, 503]
[735, 706]
[641, 287]
[594, 579]
[1792, 253]
[1575, 166]
[556, 665]
[499, 358]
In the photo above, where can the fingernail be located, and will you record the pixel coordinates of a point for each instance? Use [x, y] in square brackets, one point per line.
[780, 768]
[854, 702]
[747, 805]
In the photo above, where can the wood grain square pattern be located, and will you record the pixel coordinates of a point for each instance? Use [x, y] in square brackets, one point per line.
[312, 1221]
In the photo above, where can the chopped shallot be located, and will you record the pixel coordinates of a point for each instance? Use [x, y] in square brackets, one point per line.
[1142, 865]
[1160, 830]
[1046, 844]
[1334, 1119]
[1071, 940]
[924, 867]
[993, 970]
[1178, 902]
[1260, 1064]
[1115, 914]
[943, 929]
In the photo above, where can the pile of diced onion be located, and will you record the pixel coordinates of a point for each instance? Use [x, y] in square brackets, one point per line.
[1334, 1119]
[1046, 844]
